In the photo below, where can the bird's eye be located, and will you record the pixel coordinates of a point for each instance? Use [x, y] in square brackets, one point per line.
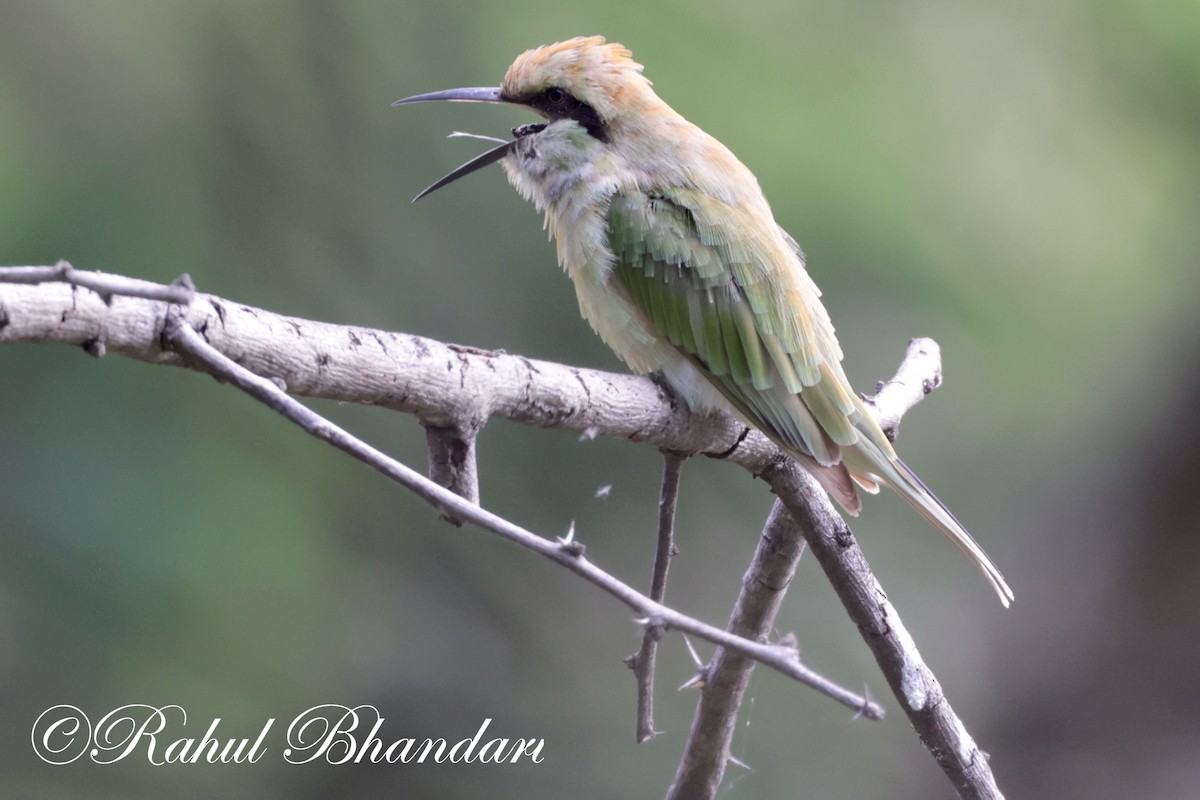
[556, 96]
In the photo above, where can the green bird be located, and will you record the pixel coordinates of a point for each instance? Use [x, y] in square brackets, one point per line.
[680, 267]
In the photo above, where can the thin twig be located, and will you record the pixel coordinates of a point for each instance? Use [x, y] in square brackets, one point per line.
[181, 290]
[668, 503]
[725, 678]
[568, 554]
[642, 662]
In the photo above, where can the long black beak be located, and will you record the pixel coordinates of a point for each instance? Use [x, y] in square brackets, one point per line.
[478, 94]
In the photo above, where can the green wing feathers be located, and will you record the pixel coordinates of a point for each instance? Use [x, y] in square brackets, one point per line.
[736, 301]
[720, 298]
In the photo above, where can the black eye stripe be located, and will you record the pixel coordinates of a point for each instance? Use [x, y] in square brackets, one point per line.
[557, 103]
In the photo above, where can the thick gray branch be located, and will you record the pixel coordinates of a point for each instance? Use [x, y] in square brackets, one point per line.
[439, 383]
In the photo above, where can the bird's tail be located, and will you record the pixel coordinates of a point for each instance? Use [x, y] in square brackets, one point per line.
[875, 465]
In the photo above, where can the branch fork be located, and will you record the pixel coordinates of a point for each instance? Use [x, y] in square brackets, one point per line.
[408, 373]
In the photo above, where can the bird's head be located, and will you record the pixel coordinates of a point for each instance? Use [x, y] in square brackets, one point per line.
[585, 88]
[583, 79]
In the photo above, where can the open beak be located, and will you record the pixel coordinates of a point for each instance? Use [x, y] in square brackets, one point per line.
[480, 94]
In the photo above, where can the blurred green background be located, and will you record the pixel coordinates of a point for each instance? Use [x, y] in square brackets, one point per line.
[1019, 180]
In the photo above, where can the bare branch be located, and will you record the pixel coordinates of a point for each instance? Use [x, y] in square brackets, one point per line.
[911, 680]
[104, 284]
[565, 552]
[725, 678]
[439, 383]
[642, 662]
[919, 374]
[443, 384]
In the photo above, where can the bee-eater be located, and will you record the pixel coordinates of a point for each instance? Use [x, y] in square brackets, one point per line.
[679, 265]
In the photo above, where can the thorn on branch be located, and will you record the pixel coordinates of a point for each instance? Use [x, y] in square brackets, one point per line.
[569, 545]
[737, 762]
[864, 711]
[699, 680]
[692, 652]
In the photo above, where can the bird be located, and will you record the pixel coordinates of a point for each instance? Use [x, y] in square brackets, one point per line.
[680, 267]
